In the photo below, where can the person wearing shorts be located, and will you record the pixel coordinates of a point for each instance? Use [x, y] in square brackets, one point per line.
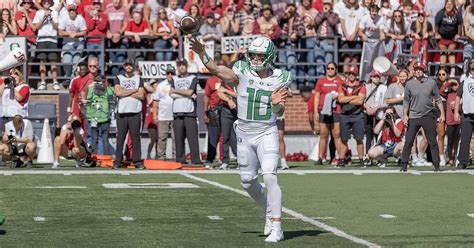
[330, 118]
[351, 95]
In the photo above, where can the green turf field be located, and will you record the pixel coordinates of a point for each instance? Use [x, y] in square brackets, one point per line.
[429, 209]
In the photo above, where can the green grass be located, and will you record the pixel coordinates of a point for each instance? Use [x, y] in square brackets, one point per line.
[431, 211]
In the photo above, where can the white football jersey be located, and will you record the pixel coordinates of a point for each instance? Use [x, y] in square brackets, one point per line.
[254, 93]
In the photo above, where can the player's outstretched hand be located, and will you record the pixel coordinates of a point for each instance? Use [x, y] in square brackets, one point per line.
[279, 96]
[196, 46]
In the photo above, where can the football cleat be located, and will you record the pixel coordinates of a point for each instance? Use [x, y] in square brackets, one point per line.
[275, 236]
[268, 225]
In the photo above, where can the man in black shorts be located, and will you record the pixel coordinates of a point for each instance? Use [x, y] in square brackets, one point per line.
[351, 97]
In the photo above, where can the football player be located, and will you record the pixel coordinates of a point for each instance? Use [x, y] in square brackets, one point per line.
[261, 94]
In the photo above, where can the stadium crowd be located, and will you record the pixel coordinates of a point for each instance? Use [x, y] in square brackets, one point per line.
[350, 98]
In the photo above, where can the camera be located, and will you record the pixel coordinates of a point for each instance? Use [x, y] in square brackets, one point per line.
[389, 117]
[11, 138]
[75, 124]
[9, 82]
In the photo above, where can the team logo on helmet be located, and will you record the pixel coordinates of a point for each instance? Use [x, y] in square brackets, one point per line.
[265, 47]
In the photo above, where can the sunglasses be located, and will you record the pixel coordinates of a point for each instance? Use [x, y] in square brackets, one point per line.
[169, 73]
[441, 74]
[94, 66]
[330, 68]
[74, 10]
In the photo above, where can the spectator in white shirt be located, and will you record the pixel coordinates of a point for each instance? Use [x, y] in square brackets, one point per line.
[46, 25]
[163, 113]
[73, 29]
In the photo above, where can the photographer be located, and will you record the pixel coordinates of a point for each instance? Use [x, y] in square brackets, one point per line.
[99, 97]
[15, 95]
[18, 140]
[70, 142]
[390, 130]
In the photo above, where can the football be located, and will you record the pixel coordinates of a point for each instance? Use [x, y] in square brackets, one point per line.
[189, 25]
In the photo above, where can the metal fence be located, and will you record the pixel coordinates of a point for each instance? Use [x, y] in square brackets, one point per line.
[178, 52]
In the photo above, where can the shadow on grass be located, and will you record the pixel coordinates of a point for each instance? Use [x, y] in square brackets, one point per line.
[294, 234]
[3, 232]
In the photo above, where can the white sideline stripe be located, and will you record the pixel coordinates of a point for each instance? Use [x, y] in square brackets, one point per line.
[299, 173]
[39, 219]
[388, 216]
[214, 172]
[57, 187]
[358, 173]
[125, 174]
[314, 218]
[67, 174]
[470, 215]
[215, 217]
[293, 213]
[127, 218]
[150, 186]
[416, 173]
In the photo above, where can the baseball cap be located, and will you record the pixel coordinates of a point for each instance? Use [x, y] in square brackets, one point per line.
[26, 1]
[353, 70]
[129, 62]
[419, 65]
[267, 7]
[99, 78]
[375, 73]
[183, 62]
[211, 15]
[327, 2]
[71, 6]
[171, 69]
[421, 12]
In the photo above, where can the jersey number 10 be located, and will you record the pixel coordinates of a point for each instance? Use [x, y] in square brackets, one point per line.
[255, 104]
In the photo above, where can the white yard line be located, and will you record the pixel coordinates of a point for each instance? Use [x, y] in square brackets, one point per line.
[215, 217]
[127, 218]
[177, 172]
[57, 187]
[39, 219]
[292, 213]
[388, 216]
[150, 186]
[470, 215]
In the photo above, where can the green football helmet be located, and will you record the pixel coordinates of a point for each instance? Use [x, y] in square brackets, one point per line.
[261, 45]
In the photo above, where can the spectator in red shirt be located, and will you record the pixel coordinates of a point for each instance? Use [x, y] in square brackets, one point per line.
[97, 25]
[351, 95]
[118, 17]
[136, 29]
[213, 8]
[77, 89]
[24, 20]
[328, 122]
[212, 108]
[15, 96]
[390, 130]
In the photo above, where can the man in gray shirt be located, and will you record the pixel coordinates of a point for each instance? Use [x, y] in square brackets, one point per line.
[418, 113]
